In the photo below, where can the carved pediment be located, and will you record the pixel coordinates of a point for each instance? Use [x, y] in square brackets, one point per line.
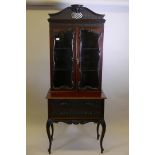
[75, 12]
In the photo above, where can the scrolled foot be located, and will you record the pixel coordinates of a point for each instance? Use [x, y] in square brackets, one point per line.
[49, 151]
[102, 150]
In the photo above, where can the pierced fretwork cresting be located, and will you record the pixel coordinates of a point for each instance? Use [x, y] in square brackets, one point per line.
[67, 14]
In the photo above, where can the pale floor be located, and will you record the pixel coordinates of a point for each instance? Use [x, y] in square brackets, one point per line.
[78, 139]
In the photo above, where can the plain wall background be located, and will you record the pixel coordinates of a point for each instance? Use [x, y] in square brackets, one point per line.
[115, 67]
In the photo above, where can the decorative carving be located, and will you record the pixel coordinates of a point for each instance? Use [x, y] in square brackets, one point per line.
[76, 8]
[75, 15]
[75, 12]
[75, 121]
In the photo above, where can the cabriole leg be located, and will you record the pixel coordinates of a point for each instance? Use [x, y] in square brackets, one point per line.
[49, 134]
[103, 124]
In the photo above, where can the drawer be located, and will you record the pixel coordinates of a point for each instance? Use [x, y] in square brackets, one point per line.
[75, 108]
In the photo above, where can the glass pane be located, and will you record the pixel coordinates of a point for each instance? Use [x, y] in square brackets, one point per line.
[62, 79]
[63, 39]
[89, 58]
[89, 39]
[63, 60]
[89, 79]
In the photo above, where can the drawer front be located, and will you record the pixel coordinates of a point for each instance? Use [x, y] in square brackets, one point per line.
[75, 108]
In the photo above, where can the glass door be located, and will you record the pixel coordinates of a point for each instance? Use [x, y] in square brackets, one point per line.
[89, 59]
[63, 57]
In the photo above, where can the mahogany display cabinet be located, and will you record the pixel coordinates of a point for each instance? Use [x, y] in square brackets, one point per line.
[76, 54]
